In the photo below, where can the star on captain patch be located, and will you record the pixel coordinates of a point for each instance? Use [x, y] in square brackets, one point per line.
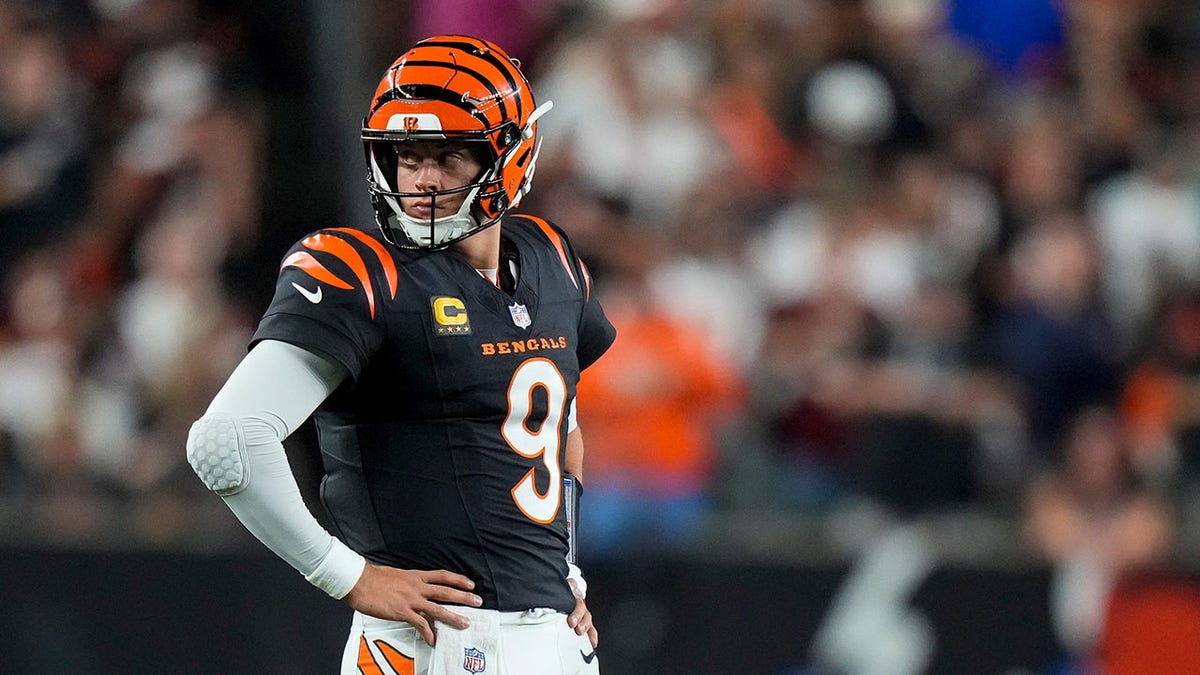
[520, 315]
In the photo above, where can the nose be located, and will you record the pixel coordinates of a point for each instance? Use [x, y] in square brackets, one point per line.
[429, 176]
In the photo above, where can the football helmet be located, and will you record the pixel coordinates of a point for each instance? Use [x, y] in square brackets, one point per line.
[452, 87]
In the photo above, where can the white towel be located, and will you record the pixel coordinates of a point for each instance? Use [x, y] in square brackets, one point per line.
[474, 650]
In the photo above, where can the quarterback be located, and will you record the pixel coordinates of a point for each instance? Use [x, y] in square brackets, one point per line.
[439, 354]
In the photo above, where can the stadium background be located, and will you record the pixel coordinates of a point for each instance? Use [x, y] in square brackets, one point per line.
[907, 294]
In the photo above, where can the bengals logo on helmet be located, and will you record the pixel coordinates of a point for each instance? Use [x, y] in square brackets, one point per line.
[460, 88]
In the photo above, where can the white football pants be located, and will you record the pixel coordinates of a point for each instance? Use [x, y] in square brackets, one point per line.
[534, 642]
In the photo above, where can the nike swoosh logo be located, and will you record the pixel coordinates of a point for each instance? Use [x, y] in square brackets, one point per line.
[313, 296]
[588, 658]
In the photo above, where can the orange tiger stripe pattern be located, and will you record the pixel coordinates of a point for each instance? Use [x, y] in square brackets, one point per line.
[366, 660]
[342, 250]
[389, 266]
[403, 665]
[304, 260]
[489, 81]
[558, 244]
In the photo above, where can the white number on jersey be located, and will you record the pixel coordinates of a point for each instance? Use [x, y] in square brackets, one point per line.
[544, 442]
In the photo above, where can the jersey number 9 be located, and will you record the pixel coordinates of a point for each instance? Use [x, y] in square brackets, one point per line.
[544, 442]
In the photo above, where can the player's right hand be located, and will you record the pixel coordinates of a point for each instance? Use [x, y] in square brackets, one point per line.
[412, 596]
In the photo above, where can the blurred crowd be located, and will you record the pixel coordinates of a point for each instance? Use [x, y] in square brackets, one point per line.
[131, 152]
[911, 256]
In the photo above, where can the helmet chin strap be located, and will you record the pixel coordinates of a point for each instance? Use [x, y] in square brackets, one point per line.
[436, 231]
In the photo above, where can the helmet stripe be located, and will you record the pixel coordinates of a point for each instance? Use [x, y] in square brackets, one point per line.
[481, 52]
[431, 92]
[489, 56]
[456, 68]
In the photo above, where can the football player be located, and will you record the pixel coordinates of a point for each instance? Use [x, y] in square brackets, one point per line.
[440, 354]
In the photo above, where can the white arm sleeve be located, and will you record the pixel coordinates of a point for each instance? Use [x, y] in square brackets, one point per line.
[271, 392]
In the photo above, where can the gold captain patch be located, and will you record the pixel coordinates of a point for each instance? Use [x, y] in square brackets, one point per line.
[449, 316]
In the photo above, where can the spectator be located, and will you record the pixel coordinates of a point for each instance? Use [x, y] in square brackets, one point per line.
[654, 412]
[1146, 222]
[44, 108]
[1096, 524]
[1052, 334]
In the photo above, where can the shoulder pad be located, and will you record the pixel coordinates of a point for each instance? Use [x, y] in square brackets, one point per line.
[346, 245]
[558, 240]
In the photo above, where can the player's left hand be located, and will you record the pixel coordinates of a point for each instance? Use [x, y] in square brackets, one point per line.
[581, 618]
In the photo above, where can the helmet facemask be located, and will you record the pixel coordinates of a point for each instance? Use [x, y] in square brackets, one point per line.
[407, 231]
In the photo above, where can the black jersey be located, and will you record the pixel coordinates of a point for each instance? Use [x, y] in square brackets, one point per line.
[444, 449]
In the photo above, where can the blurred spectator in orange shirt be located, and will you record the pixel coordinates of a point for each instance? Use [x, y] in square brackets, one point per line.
[654, 412]
[1150, 627]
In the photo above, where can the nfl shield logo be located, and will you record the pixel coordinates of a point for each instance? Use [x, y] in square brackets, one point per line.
[473, 660]
[520, 315]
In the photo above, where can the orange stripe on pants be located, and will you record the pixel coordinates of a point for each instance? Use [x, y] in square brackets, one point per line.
[403, 665]
[366, 661]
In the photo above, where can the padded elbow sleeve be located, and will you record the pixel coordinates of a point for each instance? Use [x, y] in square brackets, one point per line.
[216, 450]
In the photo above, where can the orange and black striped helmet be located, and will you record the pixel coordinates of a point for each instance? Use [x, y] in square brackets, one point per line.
[457, 88]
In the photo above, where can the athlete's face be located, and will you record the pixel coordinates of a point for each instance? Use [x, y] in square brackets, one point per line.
[434, 166]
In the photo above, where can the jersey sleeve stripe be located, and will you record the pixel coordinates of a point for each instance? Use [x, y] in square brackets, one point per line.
[303, 260]
[342, 250]
[389, 265]
[558, 244]
[587, 280]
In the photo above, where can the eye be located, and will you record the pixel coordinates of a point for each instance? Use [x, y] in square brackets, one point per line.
[453, 158]
[408, 158]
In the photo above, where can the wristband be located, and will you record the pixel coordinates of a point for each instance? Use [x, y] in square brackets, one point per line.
[573, 572]
[572, 490]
